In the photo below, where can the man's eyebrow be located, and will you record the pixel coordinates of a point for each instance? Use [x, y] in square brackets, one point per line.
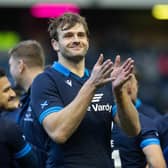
[6, 88]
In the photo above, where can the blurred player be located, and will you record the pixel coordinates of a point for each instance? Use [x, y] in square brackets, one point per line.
[137, 152]
[13, 146]
[26, 61]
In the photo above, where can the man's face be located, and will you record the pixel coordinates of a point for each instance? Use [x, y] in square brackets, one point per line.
[8, 100]
[73, 43]
[14, 69]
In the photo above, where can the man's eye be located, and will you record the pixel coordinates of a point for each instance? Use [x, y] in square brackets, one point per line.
[81, 35]
[68, 35]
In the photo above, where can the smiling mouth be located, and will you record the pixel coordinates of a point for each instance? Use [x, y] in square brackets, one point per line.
[12, 99]
[76, 48]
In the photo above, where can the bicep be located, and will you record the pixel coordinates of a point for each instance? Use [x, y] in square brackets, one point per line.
[152, 151]
[50, 123]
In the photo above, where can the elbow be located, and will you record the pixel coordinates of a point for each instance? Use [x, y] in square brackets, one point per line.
[158, 165]
[59, 137]
[135, 131]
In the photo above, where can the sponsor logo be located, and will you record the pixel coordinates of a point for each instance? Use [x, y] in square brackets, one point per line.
[44, 104]
[69, 82]
[28, 115]
[97, 97]
[97, 107]
[112, 143]
[157, 134]
[100, 107]
[23, 136]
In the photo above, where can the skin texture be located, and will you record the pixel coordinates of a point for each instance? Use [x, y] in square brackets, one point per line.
[7, 94]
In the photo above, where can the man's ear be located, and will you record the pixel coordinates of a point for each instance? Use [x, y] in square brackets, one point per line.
[54, 44]
[21, 65]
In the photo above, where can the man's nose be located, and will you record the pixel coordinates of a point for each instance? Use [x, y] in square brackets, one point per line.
[12, 93]
[76, 38]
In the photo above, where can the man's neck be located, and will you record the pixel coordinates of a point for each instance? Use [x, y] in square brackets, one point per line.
[29, 77]
[76, 68]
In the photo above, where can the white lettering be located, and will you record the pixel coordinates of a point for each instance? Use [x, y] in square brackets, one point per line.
[97, 107]
[89, 108]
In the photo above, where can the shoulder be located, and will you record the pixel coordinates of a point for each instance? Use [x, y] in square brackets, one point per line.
[47, 76]
[149, 111]
[146, 121]
[9, 127]
[162, 124]
[41, 80]
[5, 123]
[41, 77]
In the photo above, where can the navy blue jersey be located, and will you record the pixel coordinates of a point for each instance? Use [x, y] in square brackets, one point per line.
[127, 151]
[162, 124]
[33, 132]
[89, 145]
[27, 120]
[14, 147]
[147, 110]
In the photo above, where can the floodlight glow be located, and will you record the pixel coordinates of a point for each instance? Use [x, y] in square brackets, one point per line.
[8, 39]
[160, 11]
[49, 10]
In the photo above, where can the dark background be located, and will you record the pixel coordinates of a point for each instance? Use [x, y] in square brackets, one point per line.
[128, 32]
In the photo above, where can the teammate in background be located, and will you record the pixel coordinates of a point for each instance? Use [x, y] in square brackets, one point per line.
[137, 152]
[13, 146]
[25, 63]
[73, 106]
[162, 125]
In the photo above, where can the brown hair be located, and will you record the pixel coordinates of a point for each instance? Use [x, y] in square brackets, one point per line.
[65, 22]
[30, 51]
[2, 72]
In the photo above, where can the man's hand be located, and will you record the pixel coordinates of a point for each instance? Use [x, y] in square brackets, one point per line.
[121, 73]
[101, 72]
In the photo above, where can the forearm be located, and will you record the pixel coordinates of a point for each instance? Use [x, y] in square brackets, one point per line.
[68, 119]
[154, 156]
[127, 113]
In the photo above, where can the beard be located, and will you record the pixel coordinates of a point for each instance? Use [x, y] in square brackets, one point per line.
[75, 59]
[72, 57]
[19, 90]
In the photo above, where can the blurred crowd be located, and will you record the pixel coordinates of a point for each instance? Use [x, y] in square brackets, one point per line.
[130, 33]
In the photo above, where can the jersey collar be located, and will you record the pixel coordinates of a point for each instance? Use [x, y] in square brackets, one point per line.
[65, 71]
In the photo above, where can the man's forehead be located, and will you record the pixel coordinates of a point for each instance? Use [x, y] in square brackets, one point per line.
[76, 27]
[11, 58]
[4, 83]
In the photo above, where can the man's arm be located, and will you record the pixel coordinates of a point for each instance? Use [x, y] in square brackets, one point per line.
[127, 115]
[154, 156]
[61, 125]
[165, 152]
[21, 149]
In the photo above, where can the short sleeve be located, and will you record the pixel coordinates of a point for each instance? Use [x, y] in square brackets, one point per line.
[45, 98]
[16, 140]
[149, 133]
